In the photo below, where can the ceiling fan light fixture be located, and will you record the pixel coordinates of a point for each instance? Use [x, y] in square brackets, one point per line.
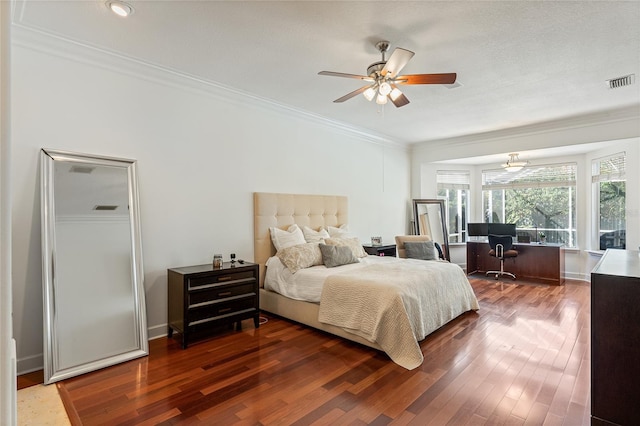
[514, 164]
[384, 89]
[381, 99]
[119, 8]
[369, 93]
[395, 94]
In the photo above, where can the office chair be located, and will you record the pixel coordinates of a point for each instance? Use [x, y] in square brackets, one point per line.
[501, 247]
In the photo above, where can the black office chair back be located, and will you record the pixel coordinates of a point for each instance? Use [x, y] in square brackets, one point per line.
[505, 240]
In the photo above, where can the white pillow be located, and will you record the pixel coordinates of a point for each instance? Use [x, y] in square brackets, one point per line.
[312, 236]
[341, 232]
[283, 239]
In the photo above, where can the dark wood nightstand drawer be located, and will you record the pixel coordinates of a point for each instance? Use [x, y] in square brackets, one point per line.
[226, 278]
[220, 292]
[214, 310]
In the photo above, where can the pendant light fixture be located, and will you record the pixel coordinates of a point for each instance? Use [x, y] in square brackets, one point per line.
[514, 164]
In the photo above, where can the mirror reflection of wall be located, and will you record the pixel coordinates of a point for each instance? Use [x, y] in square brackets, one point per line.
[92, 266]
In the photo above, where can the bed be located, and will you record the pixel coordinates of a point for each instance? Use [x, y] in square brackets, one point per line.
[391, 284]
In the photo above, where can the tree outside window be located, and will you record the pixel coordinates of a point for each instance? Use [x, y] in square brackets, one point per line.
[540, 200]
[453, 187]
[609, 196]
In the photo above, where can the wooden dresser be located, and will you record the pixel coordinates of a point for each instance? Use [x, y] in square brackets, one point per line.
[615, 339]
[202, 297]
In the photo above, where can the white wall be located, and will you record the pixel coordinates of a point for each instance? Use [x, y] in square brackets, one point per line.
[8, 405]
[578, 262]
[202, 151]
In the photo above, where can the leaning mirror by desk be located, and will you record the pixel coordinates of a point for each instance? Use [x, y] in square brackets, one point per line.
[94, 309]
[430, 219]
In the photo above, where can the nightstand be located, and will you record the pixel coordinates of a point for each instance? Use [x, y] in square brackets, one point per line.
[202, 297]
[382, 250]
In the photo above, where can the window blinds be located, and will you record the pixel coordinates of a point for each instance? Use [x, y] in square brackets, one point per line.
[542, 176]
[608, 169]
[453, 179]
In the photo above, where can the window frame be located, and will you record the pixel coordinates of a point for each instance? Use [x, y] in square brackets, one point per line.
[557, 175]
[459, 181]
[617, 160]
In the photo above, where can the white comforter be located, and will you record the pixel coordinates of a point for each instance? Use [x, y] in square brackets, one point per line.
[306, 284]
[415, 298]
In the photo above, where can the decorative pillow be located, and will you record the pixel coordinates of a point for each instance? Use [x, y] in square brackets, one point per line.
[283, 239]
[333, 256]
[353, 243]
[424, 250]
[312, 236]
[341, 232]
[300, 256]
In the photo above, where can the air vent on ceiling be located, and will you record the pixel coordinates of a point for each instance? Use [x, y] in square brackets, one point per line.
[105, 207]
[81, 169]
[627, 80]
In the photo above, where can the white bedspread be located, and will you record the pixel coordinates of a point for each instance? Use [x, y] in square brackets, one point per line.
[306, 284]
[396, 305]
[415, 298]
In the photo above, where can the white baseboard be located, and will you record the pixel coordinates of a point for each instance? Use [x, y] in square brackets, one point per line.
[157, 331]
[30, 363]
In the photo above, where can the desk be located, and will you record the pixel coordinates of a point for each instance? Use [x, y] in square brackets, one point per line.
[535, 262]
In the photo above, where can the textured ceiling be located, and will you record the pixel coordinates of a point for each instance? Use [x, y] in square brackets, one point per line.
[519, 62]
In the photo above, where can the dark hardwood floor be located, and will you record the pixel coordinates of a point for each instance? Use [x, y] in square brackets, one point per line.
[523, 358]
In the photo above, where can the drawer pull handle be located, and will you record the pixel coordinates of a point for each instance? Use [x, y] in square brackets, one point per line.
[227, 293]
[224, 278]
[225, 310]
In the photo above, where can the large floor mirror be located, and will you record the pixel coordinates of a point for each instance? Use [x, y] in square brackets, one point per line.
[94, 305]
[430, 219]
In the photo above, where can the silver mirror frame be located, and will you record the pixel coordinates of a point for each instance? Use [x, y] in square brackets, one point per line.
[52, 370]
[443, 219]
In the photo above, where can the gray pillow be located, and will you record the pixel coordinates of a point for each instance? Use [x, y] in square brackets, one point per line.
[336, 255]
[424, 250]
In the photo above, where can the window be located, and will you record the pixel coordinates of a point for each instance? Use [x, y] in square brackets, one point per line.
[538, 199]
[609, 197]
[453, 187]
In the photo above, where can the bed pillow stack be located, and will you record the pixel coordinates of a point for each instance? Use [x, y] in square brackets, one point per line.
[302, 248]
[353, 244]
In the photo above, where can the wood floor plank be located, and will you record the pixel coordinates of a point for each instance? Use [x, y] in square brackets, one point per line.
[523, 358]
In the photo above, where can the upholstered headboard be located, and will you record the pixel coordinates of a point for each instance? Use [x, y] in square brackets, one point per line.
[284, 210]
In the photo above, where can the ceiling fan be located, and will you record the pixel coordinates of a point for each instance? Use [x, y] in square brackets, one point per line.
[383, 78]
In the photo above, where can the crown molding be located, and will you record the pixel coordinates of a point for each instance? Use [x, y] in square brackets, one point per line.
[54, 45]
[629, 114]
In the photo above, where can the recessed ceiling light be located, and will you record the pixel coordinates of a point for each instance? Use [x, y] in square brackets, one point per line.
[120, 8]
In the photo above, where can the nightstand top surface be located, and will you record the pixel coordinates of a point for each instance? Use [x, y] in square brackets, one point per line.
[226, 267]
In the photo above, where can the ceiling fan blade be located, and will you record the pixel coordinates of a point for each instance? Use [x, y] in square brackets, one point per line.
[448, 78]
[400, 101]
[397, 97]
[396, 62]
[341, 74]
[352, 94]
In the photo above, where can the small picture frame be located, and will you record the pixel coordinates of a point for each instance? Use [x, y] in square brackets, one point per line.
[376, 241]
